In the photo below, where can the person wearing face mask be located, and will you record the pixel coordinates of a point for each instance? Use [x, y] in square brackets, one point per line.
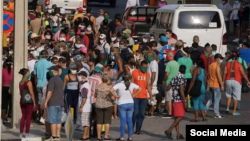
[104, 45]
[89, 19]
[141, 77]
[209, 55]
[54, 61]
[77, 46]
[36, 24]
[70, 86]
[63, 70]
[152, 38]
[171, 40]
[64, 52]
[165, 47]
[161, 3]
[5, 5]
[54, 28]
[127, 35]
[104, 29]
[130, 67]
[114, 41]
[226, 9]
[216, 85]
[146, 38]
[90, 34]
[118, 62]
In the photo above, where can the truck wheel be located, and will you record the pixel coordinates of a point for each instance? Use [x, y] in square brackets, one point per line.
[112, 3]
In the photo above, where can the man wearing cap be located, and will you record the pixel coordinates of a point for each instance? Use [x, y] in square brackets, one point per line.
[165, 47]
[216, 85]
[36, 24]
[79, 14]
[104, 45]
[40, 70]
[177, 52]
[94, 81]
[127, 35]
[146, 38]
[171, 40]
[54, 102]
[99, 19]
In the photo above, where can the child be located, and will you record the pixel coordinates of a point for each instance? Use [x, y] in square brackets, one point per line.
[84, 104]
[177, 84]
[214, 47]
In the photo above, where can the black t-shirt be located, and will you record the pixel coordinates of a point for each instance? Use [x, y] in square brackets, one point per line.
[66, 56]
[246, 13]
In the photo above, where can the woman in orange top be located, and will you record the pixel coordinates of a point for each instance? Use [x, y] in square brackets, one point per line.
[141, 78]
[12, 5]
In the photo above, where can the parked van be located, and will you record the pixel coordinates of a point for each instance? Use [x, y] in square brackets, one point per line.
[188, 20]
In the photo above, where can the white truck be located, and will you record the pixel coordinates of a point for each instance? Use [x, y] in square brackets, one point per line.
[70, 6]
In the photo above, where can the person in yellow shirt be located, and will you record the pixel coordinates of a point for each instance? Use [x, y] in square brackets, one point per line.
[79, 14]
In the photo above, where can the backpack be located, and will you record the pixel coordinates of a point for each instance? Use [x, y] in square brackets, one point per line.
[125, 54]
[109, 57]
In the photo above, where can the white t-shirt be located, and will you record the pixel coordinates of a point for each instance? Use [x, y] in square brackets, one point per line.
[131, 3]
[225, 10]
[131, 41]
[153, 67]
[31, 65]
[106, 47]
[87, 106]
[99, 21]
[125, 95]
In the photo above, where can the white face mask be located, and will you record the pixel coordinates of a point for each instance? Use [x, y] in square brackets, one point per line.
[48, 37]
[50, 11]
[89, 28]
[145, 40]
[121, 46]
[10, 52]
[79, 78]
[113, 39]
[62, 39]
[101, 41]
[72, 60]
[60, 19]
[151, 40]
[165, 56]
[78, 45]
[4, 7]
[73, 71]
[221, 61]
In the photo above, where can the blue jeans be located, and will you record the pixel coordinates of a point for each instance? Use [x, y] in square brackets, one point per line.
[126, 115]
[216, 96]
[139, 112]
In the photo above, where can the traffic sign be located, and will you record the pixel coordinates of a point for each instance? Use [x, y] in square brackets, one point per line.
[8, 22]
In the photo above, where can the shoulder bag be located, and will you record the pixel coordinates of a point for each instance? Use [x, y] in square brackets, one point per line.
[26, 97]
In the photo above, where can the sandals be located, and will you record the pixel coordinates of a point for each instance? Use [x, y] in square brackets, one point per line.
[194, 120]
[129, 139]
[237, 114]
[138, 133]
[119, 139]
[180, 137]
[169, 135]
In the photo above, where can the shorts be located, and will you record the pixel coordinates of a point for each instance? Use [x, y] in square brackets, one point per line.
[168, 95]
[85, 119]
[39, 94]
[236, 23]
[162, 90]
[55, 114]
[104, 115]
[233, 89]
[153, 103]
[178, 109]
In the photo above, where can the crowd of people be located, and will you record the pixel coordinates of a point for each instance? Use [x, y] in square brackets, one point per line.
[93, 65]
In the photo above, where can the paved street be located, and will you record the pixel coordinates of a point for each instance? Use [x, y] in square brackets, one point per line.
[153, 128]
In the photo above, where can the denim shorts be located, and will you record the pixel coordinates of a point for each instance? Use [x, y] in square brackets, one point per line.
[39, 94]
[55, 114]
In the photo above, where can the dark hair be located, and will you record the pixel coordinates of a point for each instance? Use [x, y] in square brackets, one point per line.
[130, 57]
[195, 45]
[207, 45]
[214, 47]
[44, 53]
[38, 15]
[170, 31]
[126, 80]
[23, 71]
[200, 63]
[234, 55]
[89, 9]
[182, 69]
[50, 33]
[54, 59]
[106, 12]
[148, 20]
[117, 15]
[186, 49]
[153, 42]
[62, 60]
[245, 44]
[8, 64]
[144, 62]
[162, 34]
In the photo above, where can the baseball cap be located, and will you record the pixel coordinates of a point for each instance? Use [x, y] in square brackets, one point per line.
[80, 9]
[83, 73]
[102, 36]
[164, 39]
[54, 68]
[72, 66]
[218, 55]
[146, 36]
[97, 69]
[127, 31]
[34, 35]
[101, 11]
[179, 43]
[78, 57]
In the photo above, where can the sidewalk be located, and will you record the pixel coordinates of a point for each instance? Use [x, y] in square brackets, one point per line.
[153, 128]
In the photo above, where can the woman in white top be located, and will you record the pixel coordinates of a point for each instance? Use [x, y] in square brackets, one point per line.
[125, 104]
[130, 67]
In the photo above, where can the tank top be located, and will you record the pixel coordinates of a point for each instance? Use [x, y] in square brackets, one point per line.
[65, 71]
[72, 84]
[201, 76]
[236, 70]
[244, 54]
[140, 79]
[23, 86]
[91, 40]
[213, 80]
[116, 66]
[130, 69]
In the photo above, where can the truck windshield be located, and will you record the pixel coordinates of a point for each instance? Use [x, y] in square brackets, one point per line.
[199, 20]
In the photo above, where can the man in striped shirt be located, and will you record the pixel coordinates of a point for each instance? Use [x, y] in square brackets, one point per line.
[94, 81]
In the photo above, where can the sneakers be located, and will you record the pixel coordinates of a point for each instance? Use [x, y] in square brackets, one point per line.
[227, 111]
[21, 136]
[236, 40]
[42, 121]
[167, 116]
[150, 116]
[165, 112]
[29, 136]
[218, 117]
[52, 139]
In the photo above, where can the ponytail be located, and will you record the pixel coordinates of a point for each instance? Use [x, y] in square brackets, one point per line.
[233, 56]
[126, 82]
[9, 67]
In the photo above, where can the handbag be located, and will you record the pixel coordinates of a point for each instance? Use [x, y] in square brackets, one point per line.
[26, 97]
[196, 89]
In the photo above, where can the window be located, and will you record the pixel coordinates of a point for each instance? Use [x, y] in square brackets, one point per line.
[133, 15]
[199, 20]
[142, 12]
[150, 12]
